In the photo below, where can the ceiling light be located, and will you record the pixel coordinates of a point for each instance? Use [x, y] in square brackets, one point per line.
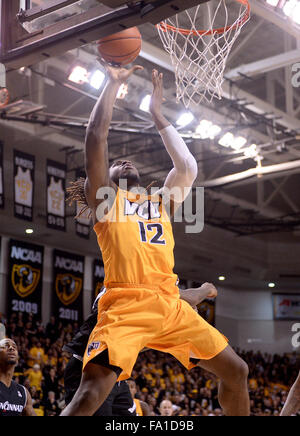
[271, 285]
[296, 13]
[29, 231]
[289, 6]
[78, 75]
[203, 129]
[227, 140]
[214, 131]
[238, 143]
[145, 104]
[207, 129]
[97, 79]
[251, 151]
[273, 2]
[222, 278]
[185, 119]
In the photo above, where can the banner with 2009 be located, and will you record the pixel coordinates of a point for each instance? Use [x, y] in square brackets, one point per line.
[25, 278]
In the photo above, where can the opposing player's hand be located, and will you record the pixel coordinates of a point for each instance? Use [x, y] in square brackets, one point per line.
[158, 91]
[210, 289]
[121, 75]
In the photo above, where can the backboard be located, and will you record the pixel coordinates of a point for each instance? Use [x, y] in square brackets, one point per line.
[19, 47]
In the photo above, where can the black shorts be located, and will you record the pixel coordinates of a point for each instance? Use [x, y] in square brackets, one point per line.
[118, 403]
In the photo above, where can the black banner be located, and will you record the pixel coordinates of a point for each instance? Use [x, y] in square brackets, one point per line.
[83, 221]
[1, 177]
[23, 185]
[98, 277]
[68, 275]
[25, 278]
[56, 188]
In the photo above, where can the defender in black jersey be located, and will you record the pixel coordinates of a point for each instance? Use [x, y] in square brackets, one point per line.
[15, 399]
[119, 402]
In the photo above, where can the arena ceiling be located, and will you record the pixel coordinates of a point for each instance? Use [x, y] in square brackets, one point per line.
[259, 103]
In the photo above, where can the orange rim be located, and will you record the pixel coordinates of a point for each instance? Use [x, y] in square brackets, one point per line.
[165, 27]
[6, 101]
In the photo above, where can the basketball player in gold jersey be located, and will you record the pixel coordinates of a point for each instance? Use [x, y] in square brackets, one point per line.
[142, 307]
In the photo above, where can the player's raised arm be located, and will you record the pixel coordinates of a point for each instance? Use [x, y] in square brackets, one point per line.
[96, 148]
[185, 170]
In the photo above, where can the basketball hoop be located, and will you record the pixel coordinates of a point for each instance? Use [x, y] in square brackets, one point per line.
[199, 56]
[4, 97]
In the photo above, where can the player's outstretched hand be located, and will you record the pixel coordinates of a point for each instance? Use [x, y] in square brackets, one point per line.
[121, 75]
[210, 289]
[158, 92]
[195, 296]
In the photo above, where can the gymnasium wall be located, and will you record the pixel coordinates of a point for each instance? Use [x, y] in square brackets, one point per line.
[246, 318]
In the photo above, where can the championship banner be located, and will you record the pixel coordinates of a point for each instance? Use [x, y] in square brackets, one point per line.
[286, 306]
[68, 279]
[83, 223]
[98, 277]
[24, 165]
[25, 278]
[1, 177]
[56, 188]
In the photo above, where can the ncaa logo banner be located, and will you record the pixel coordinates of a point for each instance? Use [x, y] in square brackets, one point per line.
[83, 220]
[25, 278]
[56, 197]
[24, 167]
[286, 306]
[1, 177]
[98, 276]
[68, 279]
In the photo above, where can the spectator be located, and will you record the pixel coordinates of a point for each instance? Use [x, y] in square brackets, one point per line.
[35, 377]
[52, 331]
[36, 354]
[51, 405]
[51, 382]
[166, 408]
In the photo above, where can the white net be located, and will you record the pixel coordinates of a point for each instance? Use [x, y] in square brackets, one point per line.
[199, 56]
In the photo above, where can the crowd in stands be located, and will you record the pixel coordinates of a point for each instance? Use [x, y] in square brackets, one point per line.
[158, 376]
[195, 393]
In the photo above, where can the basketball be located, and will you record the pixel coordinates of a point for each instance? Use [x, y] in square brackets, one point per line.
[121, 48]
